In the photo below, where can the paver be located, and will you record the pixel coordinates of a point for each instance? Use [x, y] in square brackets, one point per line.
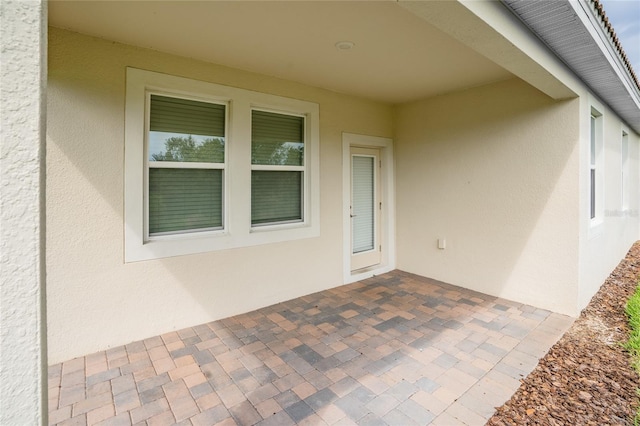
[393, 349]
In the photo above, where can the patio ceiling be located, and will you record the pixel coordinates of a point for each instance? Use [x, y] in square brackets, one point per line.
[397, 57]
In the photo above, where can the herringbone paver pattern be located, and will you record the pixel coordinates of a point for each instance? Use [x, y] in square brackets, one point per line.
[396, 349]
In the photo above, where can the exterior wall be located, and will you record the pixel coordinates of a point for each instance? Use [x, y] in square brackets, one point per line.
[23, 354]
[95, 300]
[602, 246]
[605, 243]
[500, 172]
[493, 170]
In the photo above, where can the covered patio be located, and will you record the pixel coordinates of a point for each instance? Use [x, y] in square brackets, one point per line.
[393, 349]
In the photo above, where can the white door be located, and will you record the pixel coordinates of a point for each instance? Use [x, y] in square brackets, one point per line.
[365, 208]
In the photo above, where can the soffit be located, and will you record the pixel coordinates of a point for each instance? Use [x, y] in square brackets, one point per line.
[576, 33]
[397, 57]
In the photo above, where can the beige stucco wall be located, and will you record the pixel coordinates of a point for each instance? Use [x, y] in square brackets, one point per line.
[600, 247]
[493, 170]
[604, 244]
[95, 300]
[499, 171]
[23, 355]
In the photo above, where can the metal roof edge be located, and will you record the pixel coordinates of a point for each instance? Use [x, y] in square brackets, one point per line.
[575, 31]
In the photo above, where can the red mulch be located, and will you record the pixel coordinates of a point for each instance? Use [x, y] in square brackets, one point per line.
[586, 378]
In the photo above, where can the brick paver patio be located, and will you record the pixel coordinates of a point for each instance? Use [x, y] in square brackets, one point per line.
[396, 349]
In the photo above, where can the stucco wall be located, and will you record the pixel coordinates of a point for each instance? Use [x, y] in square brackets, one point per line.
[500, 172]
[493, 170]
[23, 388]
[95, 300]
[604, 244]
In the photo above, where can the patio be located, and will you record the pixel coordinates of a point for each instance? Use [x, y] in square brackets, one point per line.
[396, 349]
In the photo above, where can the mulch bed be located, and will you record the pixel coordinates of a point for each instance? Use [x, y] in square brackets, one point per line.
[586, 378]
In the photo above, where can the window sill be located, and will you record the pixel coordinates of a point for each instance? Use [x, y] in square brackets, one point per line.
[180, 245]
[596, 228]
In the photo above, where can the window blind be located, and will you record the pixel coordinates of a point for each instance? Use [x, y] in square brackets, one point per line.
[184, 199]
[363, 203]
[277, 139]
[276, 196]
[176, 115]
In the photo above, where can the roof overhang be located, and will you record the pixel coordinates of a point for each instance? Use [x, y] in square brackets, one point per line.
[490, 29]
[404, 50]
[576, 34]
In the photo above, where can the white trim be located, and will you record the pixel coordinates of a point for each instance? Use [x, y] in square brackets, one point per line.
[306, 189]
[596, 223]
[600, 35]
[149, 164]
[184, 165]
[625, 168]
[387, 181]
[237, 214]
[272, 168]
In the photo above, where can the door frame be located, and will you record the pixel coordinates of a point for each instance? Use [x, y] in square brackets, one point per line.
[387, 213]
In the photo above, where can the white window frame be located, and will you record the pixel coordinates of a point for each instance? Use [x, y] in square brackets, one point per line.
[625, 173]
[261, 167]
[596, 165]
[181, 165]
[237, 230]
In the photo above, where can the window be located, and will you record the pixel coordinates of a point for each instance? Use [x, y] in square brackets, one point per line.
[185, 148]
[625, 174]
[210, 167]
[592, 169]
[277, 168]
[596, 198]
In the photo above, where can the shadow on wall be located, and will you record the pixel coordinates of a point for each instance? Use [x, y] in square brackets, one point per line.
[494, 170]
[88, 282]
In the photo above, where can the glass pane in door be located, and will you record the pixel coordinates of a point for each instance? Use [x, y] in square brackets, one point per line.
[362, 200]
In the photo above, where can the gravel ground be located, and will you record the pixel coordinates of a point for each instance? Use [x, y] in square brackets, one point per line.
[586, 378]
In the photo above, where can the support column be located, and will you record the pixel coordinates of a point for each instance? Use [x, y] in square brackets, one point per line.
[23, 350]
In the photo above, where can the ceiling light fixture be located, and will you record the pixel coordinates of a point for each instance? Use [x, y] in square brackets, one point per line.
[345, 45]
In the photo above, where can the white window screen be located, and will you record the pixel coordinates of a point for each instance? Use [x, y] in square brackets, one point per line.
[186, 150]
[363, 203]
[592, 168]
[277, 171]
[624, 167]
